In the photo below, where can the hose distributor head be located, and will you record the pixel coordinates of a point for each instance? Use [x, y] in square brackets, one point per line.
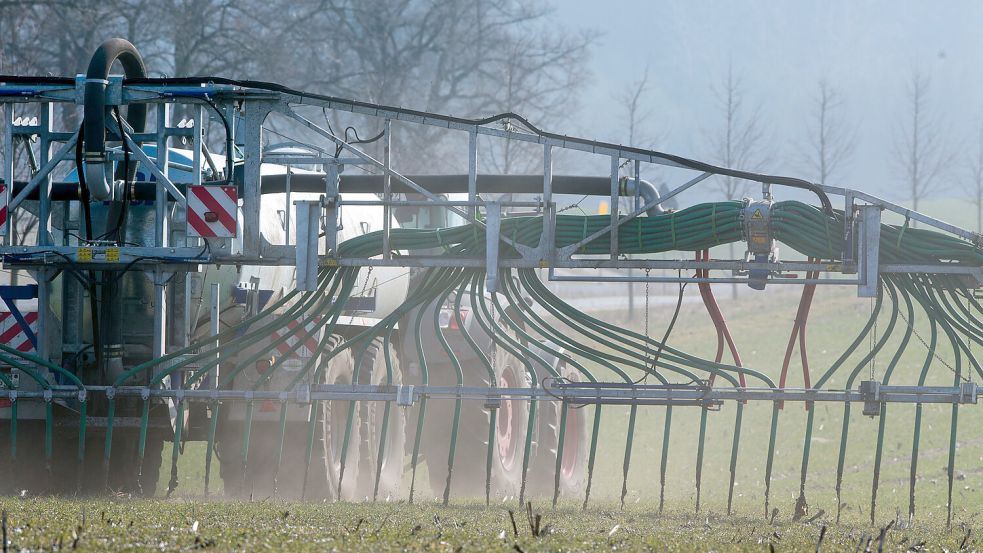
[96, 171]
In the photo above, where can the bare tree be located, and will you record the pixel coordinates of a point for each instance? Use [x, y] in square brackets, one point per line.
[738, 143]
[635, 114]
[830, 140]
[974, 187]
[921, 152]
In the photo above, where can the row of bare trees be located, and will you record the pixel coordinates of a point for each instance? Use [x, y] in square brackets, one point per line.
[925, 161]
[465, 57]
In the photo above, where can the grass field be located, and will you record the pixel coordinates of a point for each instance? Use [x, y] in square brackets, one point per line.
[761, 322]
[97, 525]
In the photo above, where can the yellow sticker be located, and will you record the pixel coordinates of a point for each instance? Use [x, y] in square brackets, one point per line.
[757, 215]
[112, 255]
[329, 262]
[84, 255]
[543, 264]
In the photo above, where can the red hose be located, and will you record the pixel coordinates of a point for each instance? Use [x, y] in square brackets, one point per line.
[723, 333]
[799, 331]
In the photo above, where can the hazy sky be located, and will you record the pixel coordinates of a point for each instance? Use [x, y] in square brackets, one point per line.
[866, 50]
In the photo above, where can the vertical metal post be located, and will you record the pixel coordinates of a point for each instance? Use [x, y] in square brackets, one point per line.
[186, 324]
[198, 118]
[216, 328]
[44, 187]
[161, 237]
[308, 227]
[332, 210]
[44, 299]
[160, 312]
[870, 239]
[286, 206]
[387, 194]
[849, 255]
[8, 167]
[637, 203]
[473, 172]
[493, 226]
[547, 244]
[251, 198]
[614, 206]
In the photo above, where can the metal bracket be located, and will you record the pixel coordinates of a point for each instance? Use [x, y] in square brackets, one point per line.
[870, 391]
[870, 236]
[968, 392]
[304, 393]
[308, 228]
[404, 396]
[493, 400]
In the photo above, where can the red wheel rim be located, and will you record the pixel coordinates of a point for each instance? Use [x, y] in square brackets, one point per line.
[508, 429]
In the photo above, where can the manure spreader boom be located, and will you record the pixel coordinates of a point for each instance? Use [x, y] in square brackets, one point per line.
[325, 323]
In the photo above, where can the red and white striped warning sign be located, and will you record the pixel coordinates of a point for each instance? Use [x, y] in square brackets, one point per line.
[12, 335]
[3, 209]
[212, 211]
[294, 333]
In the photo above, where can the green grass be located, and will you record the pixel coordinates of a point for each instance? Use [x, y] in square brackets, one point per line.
[761, 323]
[91, 525]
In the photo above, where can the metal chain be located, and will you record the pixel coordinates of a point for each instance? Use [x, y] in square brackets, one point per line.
[648, 351]
[871, 340]
[934, 354]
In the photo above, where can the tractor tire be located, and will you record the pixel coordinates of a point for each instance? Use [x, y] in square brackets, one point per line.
[573, 462]
[371, 415]
[294, 478]
[333, 417]
[470, 461]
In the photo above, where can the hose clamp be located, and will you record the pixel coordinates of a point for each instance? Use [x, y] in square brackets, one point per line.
[757, 227]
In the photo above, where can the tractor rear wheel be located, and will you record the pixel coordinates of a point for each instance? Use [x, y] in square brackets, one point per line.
[573, 462]
[374, 419]
[470, 460]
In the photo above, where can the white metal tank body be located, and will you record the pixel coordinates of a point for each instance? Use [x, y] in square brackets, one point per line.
[378, 290]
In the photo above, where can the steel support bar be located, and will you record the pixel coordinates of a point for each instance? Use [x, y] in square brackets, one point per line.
[493, 211]
[575, 393]
[42, 174]
[974, 237]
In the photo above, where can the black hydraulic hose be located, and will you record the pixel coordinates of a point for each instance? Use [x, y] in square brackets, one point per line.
[679, 160]
[368, 184]
[83, 194]
[94, 122]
